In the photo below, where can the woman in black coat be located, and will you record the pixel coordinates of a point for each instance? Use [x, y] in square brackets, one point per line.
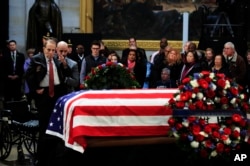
[137, 65]
[190, 66]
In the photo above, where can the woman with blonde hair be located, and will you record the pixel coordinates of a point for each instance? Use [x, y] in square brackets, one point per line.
[173, 61]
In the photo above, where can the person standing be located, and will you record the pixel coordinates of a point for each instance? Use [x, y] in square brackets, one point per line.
[136, 66]
[78, 56]
[158, 65]
[236, 64]
[70, 67]
[208, 62]
[30, 53]
[219, 65]
[13, 62]
[190, 66]
[104, 51]
[91, 61]
[185, 50]
[133, 45]
[70, 49]
[46, 78]
[163, 44]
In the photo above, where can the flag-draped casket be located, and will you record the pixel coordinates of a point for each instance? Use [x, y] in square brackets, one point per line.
[110, 113]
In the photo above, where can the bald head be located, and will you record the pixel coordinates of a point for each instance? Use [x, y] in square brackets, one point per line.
[62, 43]
[62, 48]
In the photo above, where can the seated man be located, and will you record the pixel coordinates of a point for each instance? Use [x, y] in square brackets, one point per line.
[165, 81]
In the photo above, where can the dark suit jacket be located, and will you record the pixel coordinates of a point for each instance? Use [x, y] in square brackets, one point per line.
[72, 75]
[76, 58]
[38, 69]
[12, 88]
[8, 64]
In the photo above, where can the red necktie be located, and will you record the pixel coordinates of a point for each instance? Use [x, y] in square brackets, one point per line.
[51, 79]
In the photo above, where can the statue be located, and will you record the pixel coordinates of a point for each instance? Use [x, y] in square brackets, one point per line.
[44, 17]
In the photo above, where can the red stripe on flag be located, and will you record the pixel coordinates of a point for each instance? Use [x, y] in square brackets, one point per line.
[121, 110]
[119, 131]
[118, 94]
[128, 95]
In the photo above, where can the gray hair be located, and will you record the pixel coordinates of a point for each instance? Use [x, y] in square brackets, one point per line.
[229, 44]
[166, 70]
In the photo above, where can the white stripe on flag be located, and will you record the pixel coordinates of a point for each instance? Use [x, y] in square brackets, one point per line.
[132, 91]
[120, 121]
[121, 102]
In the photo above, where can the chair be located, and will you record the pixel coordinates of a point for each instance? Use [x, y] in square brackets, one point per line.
[23, 127]
[5, 137]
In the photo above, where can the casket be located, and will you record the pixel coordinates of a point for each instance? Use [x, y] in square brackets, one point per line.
[212, 116]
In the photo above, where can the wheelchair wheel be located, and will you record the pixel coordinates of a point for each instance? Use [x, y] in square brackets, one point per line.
[5, 140]
[30, 142]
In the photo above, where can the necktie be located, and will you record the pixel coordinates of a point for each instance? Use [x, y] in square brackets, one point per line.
[14, 60]
[13, 57]
[51, 79]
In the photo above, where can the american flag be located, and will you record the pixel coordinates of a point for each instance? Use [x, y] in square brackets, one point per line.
[130, 112]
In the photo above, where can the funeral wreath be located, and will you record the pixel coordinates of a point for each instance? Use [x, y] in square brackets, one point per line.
[110, 76]
[209, 93]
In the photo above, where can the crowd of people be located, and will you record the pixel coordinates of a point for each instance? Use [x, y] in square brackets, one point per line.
[29, 75]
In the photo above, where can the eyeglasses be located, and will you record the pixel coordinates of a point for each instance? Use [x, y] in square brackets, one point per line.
[94, 48]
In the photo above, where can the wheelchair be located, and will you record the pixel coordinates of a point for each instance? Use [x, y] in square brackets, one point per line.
[18, 126]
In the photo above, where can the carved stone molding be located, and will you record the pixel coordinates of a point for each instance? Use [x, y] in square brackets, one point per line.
[146, 44]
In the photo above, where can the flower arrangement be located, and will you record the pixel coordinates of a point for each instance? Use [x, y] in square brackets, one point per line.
[200, 96]
[210, 140]
[209, 91]
[110, 76]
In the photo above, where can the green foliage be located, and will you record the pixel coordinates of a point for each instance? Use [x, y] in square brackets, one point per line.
[110, 76]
